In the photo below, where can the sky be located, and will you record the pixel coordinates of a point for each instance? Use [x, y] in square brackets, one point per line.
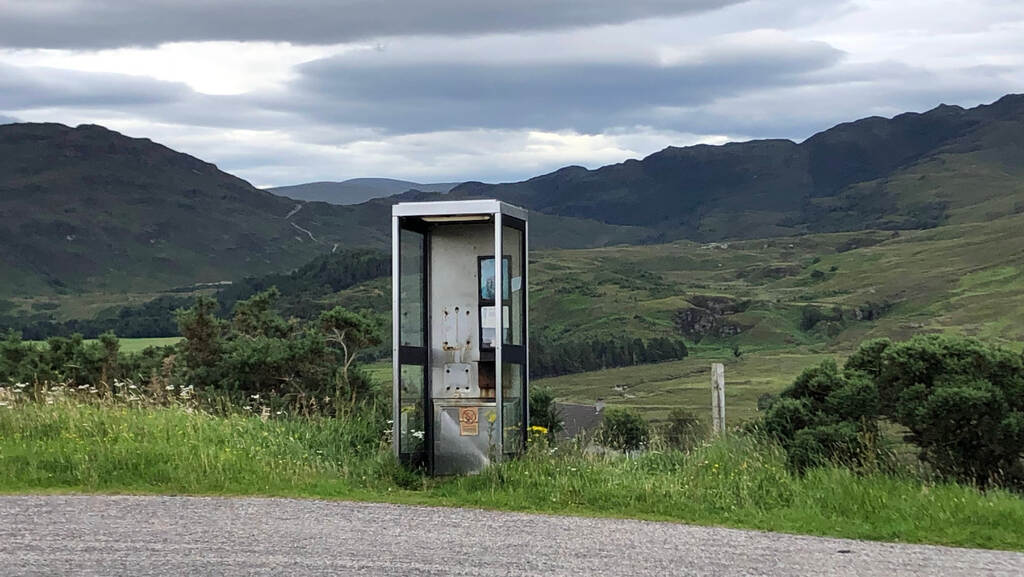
[282, 93]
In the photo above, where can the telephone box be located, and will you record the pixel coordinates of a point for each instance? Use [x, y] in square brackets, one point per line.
[459, 311]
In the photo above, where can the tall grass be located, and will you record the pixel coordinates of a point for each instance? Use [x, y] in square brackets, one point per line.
[737, 482]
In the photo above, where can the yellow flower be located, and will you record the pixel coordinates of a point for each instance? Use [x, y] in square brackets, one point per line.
[538, 429]
[492, 417]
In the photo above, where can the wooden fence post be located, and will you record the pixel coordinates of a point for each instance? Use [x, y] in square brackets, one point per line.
[717, 398]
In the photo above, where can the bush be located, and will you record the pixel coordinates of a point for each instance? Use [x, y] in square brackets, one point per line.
[625, 430]
[544, 412]
[961, 399]
[825, 416]
[260, 353]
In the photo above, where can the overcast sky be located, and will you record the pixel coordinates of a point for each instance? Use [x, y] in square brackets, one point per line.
[451, 90]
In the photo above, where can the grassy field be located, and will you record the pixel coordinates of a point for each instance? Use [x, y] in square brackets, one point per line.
[737, 482]
[132, 345]
[960, 278]
[966, 279]
[656, 389]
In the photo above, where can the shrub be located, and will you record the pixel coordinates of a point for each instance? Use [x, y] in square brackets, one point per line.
[961, 399]
[544, 412]
[825, 416]
[765, 401]
[259, 353]
[625, 430]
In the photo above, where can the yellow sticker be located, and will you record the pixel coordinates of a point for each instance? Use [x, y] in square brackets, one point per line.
[469, 421]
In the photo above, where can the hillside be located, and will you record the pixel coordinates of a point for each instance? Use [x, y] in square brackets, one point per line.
[90, 209]
[783, 303]
[356, 190]
[909, 172]
[87, 209]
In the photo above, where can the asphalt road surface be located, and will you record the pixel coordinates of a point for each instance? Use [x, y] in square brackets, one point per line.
[82, 535]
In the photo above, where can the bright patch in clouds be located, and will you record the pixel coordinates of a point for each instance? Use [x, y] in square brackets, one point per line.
[206, 67]
[286, 93]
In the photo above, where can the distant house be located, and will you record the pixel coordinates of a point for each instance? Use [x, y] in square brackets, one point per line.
[580, 419]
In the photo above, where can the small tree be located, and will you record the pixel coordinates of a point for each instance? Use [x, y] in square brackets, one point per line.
[625, 430]
[256, 316]
[351, 332]
[201, 331]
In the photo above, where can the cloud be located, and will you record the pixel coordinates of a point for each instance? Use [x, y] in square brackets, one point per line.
[398, 93]
[35, 87]
[489, 90]
[8, 119]
[843, 93]
[112, 23]
[269, 158]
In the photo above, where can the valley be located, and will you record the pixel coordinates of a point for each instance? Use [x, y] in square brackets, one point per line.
[767, 255]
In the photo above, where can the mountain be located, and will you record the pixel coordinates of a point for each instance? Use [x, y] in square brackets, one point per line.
[357, 190]
[87, 208]
[913, 171]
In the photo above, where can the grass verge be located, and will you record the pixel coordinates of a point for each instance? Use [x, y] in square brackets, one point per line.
[736, 482]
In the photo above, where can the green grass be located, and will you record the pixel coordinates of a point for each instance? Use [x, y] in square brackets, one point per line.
[132, 345]
[737, 482]
[656, 389]
[963, 279]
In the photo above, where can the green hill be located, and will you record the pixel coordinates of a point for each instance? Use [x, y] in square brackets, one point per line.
[89, 210]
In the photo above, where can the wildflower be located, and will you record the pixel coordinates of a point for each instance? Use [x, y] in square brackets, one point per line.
[418, 434]
[169, 388]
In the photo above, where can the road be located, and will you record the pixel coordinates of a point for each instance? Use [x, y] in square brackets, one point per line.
[83, 535]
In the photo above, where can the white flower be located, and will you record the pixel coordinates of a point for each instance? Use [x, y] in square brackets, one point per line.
[169, 388]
